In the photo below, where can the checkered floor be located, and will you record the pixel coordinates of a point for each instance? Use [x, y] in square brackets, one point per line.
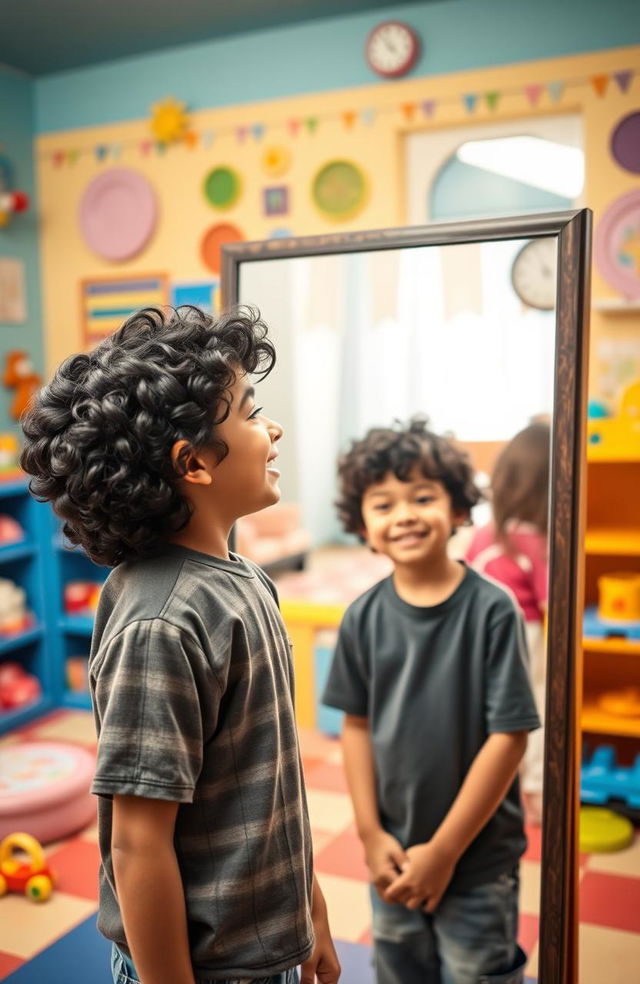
[50, 943]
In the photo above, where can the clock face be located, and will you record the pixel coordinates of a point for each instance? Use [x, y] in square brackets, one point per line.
[533, 274]
[392, 49]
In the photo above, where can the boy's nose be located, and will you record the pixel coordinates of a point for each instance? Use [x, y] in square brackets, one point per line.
[275, 429]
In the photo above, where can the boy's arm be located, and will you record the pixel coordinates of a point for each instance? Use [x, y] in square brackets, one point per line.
[384, 854]
[150, 890]
[430, 866]
[323, 964]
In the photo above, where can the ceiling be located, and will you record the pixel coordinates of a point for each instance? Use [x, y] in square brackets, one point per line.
[44, 36]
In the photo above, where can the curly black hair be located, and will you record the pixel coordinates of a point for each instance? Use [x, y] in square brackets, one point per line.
[99, 435]
[398, 450]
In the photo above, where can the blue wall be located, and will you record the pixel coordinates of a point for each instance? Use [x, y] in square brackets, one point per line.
[328, 54]
[19, 239]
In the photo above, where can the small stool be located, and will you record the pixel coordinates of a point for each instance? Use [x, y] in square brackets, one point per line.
[45, 789]
[602, 830]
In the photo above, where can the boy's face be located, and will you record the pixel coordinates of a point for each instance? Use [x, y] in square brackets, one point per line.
[411, 521]
[246, 480]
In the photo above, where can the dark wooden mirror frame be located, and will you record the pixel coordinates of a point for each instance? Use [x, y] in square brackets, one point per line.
[557, 963]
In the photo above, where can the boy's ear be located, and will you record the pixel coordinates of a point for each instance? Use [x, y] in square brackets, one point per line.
[190, 465]
[461, 517]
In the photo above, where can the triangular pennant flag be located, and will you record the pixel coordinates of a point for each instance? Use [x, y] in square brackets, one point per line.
[600, 83]
[58, 158]
[312, 124]
[348, 118]
[241, 133]
[116, 150]
[470, 101]
[101, 152]
[368, 116]
[491, 99]
[428, 107]
[208, 136]
[257, 131]
[146, 147]
[161, 147]
[533, 93]
[408, 110]
[555, 90]
[294, 126]
[191, 139]
[73, 155]
[623, 79]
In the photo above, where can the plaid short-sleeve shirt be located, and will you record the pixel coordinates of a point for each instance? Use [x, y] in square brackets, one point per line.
[191, 681]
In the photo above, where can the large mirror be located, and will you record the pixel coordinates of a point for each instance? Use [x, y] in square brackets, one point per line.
[482, 328]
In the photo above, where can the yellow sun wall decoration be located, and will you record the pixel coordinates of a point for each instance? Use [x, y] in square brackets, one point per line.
[169, 120]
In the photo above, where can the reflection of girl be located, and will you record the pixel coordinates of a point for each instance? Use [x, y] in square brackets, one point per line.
[513, 550]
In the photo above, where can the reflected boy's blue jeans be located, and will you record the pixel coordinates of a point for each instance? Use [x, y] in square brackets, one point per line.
[471, 939]
[125, 973]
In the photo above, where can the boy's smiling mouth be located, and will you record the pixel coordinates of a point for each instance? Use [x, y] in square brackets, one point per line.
[410, 537]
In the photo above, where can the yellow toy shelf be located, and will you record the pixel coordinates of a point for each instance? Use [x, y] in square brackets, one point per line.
[304, 619]
[623, 647]
[613, 541]
[596, 720]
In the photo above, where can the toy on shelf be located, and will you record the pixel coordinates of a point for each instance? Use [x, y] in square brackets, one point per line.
[618, 611]
[611, 435]
[77, 674]
[621, 703]
[81, 597]
[34, 878]
[14, 617]
[20, 376]
[10, 531]
[602, 779]
[9, 451]
[17, 687]
[603, 831]
[11, 200]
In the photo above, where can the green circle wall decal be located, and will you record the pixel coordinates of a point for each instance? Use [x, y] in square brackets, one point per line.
[340, 190]
[222, 187]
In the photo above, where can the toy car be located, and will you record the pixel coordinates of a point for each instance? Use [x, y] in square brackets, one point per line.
[33, 877]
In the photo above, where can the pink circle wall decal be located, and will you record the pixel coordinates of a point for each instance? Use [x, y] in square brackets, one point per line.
[118, 214]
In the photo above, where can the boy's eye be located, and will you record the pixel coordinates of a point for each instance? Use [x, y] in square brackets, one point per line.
[380, 506]
[424, 498]
[255, 413]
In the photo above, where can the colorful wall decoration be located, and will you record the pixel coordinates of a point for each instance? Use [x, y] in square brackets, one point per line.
[106, 302]
[309, 164]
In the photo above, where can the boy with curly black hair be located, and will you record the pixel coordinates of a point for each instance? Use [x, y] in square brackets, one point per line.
[430, 670]
[150, 448]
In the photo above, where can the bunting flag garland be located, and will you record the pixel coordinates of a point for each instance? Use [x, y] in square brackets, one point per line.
[491, 99]
[470, 101]
[533, 92]
[600, 83]
[555, 90]
[623, 80]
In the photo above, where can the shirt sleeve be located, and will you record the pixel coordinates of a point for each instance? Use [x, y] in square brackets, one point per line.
[509, 701]
[154, 696]
[347, 685]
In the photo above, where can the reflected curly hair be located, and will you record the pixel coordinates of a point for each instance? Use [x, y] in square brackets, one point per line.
[99, 435]
[398, 450]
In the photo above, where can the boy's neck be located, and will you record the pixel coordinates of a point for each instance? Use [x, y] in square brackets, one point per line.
[204, 537]
[428, 585]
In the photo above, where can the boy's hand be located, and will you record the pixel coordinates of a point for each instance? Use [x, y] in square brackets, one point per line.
[425, 876]
[323, 964]
[385, 859]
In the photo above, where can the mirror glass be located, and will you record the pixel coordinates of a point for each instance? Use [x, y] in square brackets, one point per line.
[462, 334]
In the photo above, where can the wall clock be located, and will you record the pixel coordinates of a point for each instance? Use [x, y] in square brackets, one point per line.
[533, 273]
[392, 49]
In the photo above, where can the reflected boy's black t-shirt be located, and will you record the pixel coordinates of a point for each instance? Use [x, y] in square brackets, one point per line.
[435, 682]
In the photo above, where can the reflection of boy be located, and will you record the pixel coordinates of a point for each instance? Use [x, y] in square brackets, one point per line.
[430, 669]
[150, 448]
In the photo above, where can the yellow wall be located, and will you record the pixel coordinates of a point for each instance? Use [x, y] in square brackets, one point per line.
[177, 175]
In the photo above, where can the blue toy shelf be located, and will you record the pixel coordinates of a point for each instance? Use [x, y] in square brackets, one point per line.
[596, 628]
[603, 780]
[41, 564]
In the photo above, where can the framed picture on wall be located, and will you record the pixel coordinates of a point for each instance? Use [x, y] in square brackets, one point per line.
[105, 302]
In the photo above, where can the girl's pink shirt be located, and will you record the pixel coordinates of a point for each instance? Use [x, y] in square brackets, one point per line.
[524, 570]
